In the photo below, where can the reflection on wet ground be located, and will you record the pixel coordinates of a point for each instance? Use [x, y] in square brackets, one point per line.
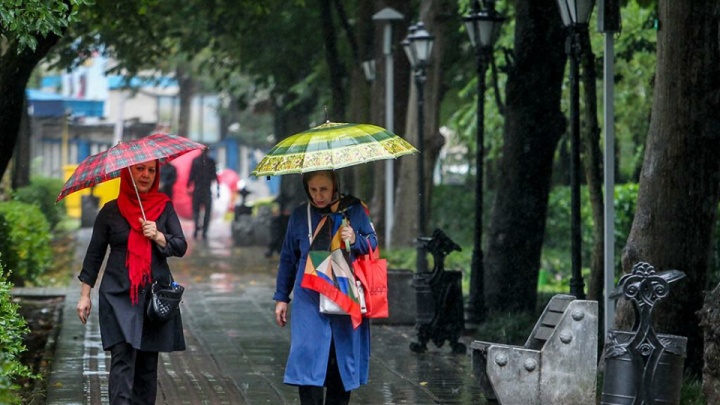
[218, 262]
[398, 376]
[236, 353]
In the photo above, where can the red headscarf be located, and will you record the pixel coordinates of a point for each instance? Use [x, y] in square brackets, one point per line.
[139, 248]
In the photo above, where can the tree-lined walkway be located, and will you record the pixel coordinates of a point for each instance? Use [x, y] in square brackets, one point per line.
[235, 352]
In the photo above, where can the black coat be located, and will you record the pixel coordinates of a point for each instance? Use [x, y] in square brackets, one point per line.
[120, 320]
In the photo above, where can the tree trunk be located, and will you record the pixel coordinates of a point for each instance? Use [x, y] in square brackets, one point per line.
[678, 193]
[593, 169]
[186, 91]
[710, 322]
[360, 102]
[533, 127]
[335, 68]
[378, 107]
[21, 157]
[292, 117]
[406, 228]
[15, 71]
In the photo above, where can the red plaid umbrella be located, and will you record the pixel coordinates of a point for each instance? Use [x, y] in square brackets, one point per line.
[107, 165]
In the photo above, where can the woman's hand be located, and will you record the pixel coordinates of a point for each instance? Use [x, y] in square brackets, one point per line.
[281, 313]
[151, 232]
[84, 304]
[348, 233]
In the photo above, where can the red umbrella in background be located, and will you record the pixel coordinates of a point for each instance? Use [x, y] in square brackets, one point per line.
[182, 198]
[182, 195]
[230, 178]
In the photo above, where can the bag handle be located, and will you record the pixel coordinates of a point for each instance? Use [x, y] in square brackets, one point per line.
[312, 236]
[373, 254]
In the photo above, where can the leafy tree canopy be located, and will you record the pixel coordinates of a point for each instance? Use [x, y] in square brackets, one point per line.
[23, 20]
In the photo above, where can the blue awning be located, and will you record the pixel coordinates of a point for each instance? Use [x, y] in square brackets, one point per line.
[44, 104]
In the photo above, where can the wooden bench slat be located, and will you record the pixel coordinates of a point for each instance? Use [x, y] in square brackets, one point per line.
[479, 345]
[543, 333]
[551, 318]
[560, 304]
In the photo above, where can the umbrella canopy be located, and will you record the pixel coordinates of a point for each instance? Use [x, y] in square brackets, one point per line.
[107, 165]
[330, 146]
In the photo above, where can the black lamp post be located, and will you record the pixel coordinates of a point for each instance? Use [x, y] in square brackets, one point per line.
[418, 45]
[575, 15]
[483, 27]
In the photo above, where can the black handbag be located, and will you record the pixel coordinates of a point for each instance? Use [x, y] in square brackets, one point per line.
[164, 301]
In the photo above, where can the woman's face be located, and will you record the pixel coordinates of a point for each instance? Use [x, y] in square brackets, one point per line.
[320, 188]
[144, 175]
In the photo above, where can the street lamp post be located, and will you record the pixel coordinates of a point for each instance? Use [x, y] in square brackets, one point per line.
[483, 27]
[575, 15]
[388, 16]
[418, 45]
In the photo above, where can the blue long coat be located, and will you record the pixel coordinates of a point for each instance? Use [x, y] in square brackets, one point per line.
[311, 331]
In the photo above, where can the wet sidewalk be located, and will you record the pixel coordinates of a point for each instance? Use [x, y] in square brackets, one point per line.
[235, 352]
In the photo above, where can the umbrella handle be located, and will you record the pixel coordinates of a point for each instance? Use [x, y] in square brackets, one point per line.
[347, 241]
[137, 193]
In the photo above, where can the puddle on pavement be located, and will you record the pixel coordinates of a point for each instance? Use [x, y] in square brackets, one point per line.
[218, 262]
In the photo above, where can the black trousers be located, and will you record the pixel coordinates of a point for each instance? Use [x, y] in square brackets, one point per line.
[336, 394]
[133, 376]
[204, 201]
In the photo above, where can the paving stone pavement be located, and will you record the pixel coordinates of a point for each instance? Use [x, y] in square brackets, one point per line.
[235, 352]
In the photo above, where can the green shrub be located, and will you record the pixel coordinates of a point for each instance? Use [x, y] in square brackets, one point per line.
[691, 392]
[42, 192]
[25, 244]
[511, 328]
[453, 211]
[556, 247]
[12, 331]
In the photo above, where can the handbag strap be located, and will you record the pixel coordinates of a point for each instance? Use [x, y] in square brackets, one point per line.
[373, 254]
[312, 236]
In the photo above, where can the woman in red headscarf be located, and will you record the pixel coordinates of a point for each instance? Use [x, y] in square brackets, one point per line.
[139, 248]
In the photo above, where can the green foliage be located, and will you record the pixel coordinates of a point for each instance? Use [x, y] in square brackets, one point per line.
[13, 328]
[25, 244]
[556, 248]
[453, 211]
[509, 327]
[634, 77]
[23, 20]
[459, 109]
[691, 392]
[400, 258]
[42, 192]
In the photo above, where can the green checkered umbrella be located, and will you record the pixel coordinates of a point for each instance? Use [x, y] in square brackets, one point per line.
[107, 164]
[330, 146]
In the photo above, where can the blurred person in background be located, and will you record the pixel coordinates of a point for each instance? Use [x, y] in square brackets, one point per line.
[203, 173]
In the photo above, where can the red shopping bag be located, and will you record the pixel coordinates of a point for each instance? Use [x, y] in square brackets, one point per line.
[371, 270]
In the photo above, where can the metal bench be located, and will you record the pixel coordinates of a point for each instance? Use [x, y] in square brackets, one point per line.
[557, 364]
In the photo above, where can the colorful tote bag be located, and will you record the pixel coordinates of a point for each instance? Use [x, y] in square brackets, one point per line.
[329, 273]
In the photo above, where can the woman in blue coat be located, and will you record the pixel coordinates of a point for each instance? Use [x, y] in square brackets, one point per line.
[325, 350]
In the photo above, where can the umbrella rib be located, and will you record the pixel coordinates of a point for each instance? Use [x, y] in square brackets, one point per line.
[137, 193]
